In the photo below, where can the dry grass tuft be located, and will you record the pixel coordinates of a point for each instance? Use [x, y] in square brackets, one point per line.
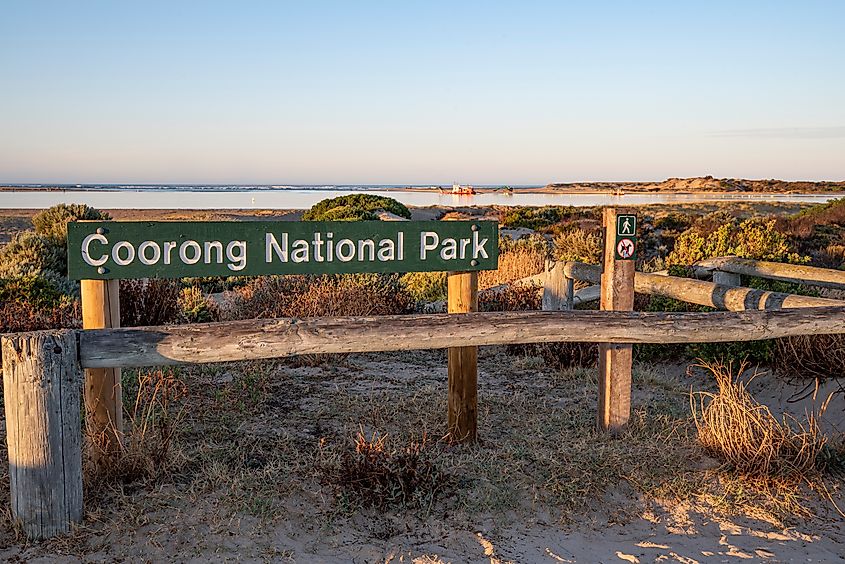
[371, 474]
[316, 296]
[810, 357]
[736, 428]
[151, 424]
[513, 297]
[520, 262]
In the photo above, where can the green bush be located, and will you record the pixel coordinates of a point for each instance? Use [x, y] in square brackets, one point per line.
[673, 222]
[45, 249]
[534, 243]
[354, 207]
[197, 307]
[578, 245]
[754, 238]
[52, 222]
[425, 287]
[536, 218]
[30, 254]
[45, 291]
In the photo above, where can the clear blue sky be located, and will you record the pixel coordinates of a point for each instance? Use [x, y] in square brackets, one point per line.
[429, 92]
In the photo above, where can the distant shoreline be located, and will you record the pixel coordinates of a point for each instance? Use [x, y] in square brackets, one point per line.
[690, 186]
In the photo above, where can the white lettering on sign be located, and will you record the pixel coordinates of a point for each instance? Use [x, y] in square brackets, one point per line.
[452, 249]
[428, 242]
[130, 253]
[236, 255]
[143, 255]
[149, 253]
[86, 249]
[323, 248]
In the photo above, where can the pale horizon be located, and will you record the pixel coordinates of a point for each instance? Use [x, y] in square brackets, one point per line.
[331, 93]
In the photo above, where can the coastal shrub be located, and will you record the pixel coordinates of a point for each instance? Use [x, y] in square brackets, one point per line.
[45, 291]
[754, 238]
[30, 253]
[52, 222]
[527, 298]
[316, 296]
[513, 297]
[354, 207]
[673, 222]
[735, 351]
[45, 249]
[518, 259]
[371, 474]
[577, 245]
[536, 218]
[18, 316]
[301, 296]
[216, 284]
[196, 307]
[152, 301]
[806, 222]
[425, 287]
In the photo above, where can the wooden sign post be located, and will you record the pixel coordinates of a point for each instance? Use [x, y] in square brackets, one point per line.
[103, 391]
[617, 294]
[463, 361]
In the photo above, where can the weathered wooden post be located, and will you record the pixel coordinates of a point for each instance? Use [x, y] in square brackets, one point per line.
[41, 384]
[726, 278]
[103, 392]
[617, 294]
[558, 289]
[463, 361]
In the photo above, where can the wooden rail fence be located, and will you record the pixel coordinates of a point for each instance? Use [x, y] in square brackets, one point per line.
[43, 382]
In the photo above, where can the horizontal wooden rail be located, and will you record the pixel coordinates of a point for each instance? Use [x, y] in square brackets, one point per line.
[705, 293]
[810, 275]
[269, 338]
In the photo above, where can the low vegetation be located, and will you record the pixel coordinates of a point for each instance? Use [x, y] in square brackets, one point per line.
[355, 207]
[323, 428]
[736, 428]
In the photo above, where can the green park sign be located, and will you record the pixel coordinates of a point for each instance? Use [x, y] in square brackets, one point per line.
[103, 250]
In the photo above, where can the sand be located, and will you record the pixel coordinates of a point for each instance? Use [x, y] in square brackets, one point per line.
[219, 519]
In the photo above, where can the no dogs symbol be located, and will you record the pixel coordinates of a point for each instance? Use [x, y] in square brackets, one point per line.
[625, 248]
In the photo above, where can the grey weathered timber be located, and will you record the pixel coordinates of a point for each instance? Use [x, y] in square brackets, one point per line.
[585, 295]
[555, 297]
[42, 384]
[801, 274]
[726, 278]
[269, 338]
[705, 293]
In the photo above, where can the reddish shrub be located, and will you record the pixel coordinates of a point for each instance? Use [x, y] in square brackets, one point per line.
[23, 316]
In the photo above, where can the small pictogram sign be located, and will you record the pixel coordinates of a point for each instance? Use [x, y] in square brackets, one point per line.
[625, 248]
[626, 237]
[626, 226]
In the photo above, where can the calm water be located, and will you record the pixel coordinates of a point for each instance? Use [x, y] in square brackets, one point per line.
[292, 198]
